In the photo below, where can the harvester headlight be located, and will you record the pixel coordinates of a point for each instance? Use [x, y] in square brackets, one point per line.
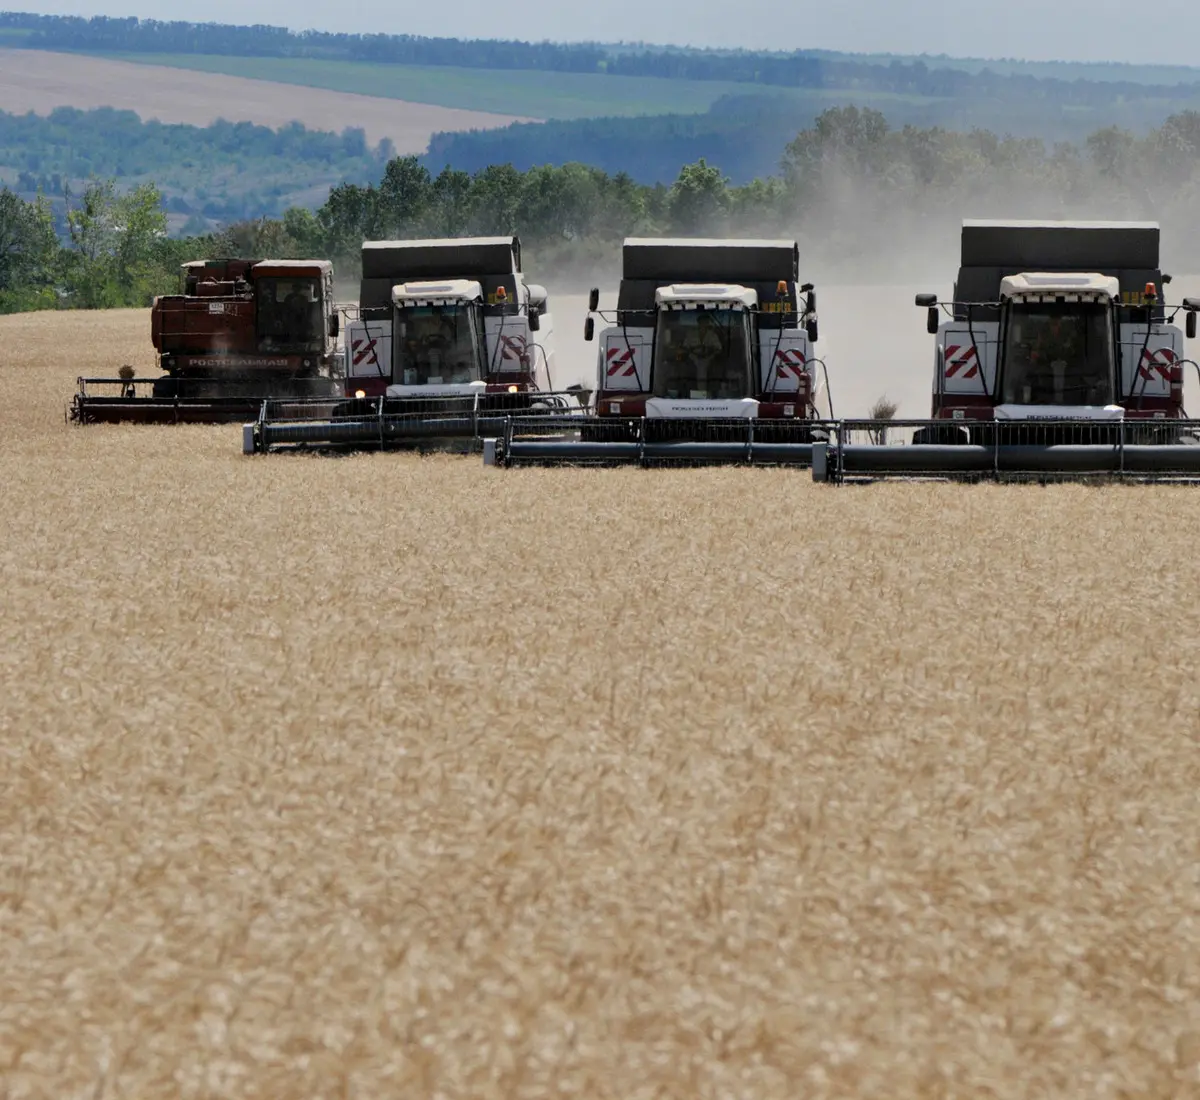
[512, 389]
[360, 393]
[307, 363]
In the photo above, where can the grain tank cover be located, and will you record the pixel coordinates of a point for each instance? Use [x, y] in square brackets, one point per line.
[649, 263]
[1060, 246]
[434, 258]
[493, 261]
[290, 269]
[995, 250]
[699, 260]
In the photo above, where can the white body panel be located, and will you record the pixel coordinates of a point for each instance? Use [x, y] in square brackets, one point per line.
[1060, 412]
[436, 389]
[669, 408]
[966, 356]
[368, 350]
[1146, 367]
[625, 355]
[507, 341]
[783, 359]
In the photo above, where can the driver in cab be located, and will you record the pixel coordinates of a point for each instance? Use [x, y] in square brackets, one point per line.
[700, 358]
[1051, 351]
[297, 308]
[432, 347]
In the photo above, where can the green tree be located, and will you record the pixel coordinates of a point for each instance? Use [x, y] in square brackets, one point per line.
[256, 239]
[848, 139]
[303, 233]
[450, 204]
[403, 198]
[27, 252]
[345, 221]
[141, 223]
[495, 197]
[113, 239]
[698, 200]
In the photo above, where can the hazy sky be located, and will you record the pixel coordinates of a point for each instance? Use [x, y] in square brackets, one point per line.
[1076, 30]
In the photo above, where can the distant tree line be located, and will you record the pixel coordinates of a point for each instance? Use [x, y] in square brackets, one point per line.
[851, 188]
[799, 69]
[225, 171]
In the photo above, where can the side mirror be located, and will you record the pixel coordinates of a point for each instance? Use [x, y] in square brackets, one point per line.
[594, 300]
[811, 328]
[1190, 327]
[1192, 305]
[925, 301]
[933, 321]
[335, 324]
[812, 301]
[535, 322]
[589, 329]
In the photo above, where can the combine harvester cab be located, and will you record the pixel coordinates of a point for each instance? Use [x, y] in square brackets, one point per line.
[708, 359]
[450, 341]
[1057, 358]
[238, 332]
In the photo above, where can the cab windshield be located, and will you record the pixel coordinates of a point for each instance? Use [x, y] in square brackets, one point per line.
[703, 354]
[438, 344]
[1059, 354]
[289, 315]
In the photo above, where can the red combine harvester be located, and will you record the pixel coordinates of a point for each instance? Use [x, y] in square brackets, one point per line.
[241, 331]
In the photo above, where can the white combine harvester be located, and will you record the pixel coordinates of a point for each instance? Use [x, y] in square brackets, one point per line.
[708, 358]
[1057, 356]
[449, 340]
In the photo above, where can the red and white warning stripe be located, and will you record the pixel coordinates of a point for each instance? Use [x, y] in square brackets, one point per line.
[1157, 365]
[363, 351]
[514, 349]
[962, 362]
[790, 363]
[621, 363]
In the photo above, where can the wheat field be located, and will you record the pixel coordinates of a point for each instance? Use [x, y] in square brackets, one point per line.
[386, 777]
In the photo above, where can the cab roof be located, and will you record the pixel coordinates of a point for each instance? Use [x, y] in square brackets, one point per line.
[1052, 286]
[682, 295]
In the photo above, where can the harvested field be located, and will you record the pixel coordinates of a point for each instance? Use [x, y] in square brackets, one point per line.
[382, 776]
[33, 80]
